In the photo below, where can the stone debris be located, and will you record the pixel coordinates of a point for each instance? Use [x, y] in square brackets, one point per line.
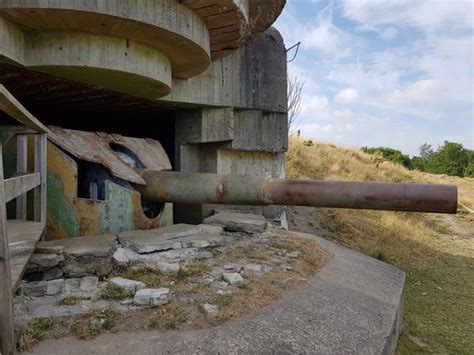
[211, 230]
[152, 297]
[120, 258]
[89, 283]
[252, 269]
[289, 268]
[149, 241]
[54, 287]
[166, 268]
[209, 310]
[79, 267]
[131, 286]
[233, 278]
[48, 248]
[72, 285]
[174, 237]
[35, 289]
[238, 222]
[294, 255]
[46, 260]
[52, 274]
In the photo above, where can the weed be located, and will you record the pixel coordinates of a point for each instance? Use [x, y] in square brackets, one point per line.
[149, 277]
[35, 332]
[94, 323]
[195, 269]
[114, 293]
[69, 301]
[169, 317]
[380, 256]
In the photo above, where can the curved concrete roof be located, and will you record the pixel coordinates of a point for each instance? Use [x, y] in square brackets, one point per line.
[129, 46]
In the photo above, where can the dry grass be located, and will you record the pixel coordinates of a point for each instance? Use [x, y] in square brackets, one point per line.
[243, 301]
[114, 293]
[436, 251]
[148, 276]
[36, 331]
[169, 317]
[69, 301]
[94, 323]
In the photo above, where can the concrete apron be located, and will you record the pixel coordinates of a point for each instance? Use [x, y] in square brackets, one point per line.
[353, 306]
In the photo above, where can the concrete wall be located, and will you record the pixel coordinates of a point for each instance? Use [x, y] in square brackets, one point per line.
[243, 126]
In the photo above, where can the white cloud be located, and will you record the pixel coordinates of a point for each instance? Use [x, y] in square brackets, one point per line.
[389, 33]
[428, 15]
[347, 96]
[421, 91]
[314, 104]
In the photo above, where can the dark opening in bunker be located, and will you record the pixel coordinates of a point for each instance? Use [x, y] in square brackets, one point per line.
[91, 181]
[129, 157]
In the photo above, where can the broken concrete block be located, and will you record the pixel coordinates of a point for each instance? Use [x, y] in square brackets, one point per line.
[185, 254]
[89, 283]
[72, 285]
[294, 254]
[97, 247]
[209, 310]
[52, 274]
[48, 248]
[85, 266]
[149, 241]
[238, 222]
[54, 287]
[35, 289]
[131, 286]
[152, 297]
[210, 229]
[233, 278]
[202, 241]
[252, 269]
[46, 260]
[120, 258]
[167, 268]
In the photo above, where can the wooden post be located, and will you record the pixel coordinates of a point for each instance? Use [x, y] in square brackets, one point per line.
[21, 167]
[7, 327]
[41, 167]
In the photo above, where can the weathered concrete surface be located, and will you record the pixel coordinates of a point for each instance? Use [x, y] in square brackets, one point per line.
[353, 306]
[238, 222]
[177, 236]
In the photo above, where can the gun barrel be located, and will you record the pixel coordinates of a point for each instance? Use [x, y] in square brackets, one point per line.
[204, 188]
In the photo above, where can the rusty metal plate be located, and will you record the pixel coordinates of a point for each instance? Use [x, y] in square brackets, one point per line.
[96, 147]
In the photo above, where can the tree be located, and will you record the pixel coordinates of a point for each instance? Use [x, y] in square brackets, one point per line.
[451, 159]
[295, 101]
[469, 171]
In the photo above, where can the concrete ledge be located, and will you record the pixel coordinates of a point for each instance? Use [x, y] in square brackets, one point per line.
[354, 305]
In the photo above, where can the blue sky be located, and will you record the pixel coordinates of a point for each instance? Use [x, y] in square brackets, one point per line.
[384, 72]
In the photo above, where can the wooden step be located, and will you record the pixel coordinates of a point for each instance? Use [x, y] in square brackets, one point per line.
[22, 237]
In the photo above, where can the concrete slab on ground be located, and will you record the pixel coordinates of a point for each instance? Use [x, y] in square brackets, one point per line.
[238, 222]
[354, 305]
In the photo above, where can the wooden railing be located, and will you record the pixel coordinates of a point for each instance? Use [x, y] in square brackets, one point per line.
[17, 187]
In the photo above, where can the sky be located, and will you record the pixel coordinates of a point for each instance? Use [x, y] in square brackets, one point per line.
[383, 72]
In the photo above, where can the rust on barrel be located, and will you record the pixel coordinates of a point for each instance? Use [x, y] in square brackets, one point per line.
[203, 188]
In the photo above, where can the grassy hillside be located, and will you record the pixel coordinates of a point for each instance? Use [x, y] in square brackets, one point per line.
[436, 251]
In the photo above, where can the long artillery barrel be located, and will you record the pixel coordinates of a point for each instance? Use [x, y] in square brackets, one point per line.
[204, 188]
